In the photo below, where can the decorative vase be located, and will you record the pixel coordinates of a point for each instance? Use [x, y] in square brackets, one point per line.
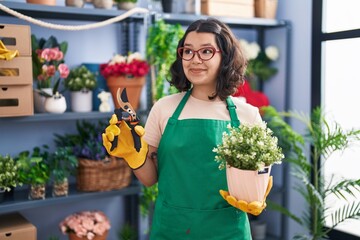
[126, 5]
[55, 104]
[37, 191]
[75, 3]
[60, 188]
[247, 185]
[266, 8]
[133, 87]
[81, 101]
[44, 2]
[72, 236]
[107, 4]
[39, 100]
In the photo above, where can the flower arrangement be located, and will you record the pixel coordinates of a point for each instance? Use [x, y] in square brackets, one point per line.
[248, 147]
[8, 173]
[48, 62]
[132, 65]
[259, 62]
[86, 224]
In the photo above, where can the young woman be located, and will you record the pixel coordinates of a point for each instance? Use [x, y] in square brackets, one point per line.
[181, 131]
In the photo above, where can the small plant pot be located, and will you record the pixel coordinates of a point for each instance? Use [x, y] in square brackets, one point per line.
[81, 101]
[37, 191]
[44, 2]
[39, 100]
[75, 3]
[107, 4]
[126, 5]
[55, 104]
[60, 189]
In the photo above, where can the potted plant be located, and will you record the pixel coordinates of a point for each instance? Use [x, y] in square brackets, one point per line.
[48, 69]
[8, 175]
[126, 4]
[33, 170]
[81, 81]
[93, 225]
[247, 152]
[325, 138]
[62, 164]
[126, 72]
[161, 50]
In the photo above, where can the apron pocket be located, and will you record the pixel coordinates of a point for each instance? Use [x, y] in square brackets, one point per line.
[185, 223]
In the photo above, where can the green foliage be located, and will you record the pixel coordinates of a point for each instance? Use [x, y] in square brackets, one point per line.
[8, 173]
[161, 48]
[62, 164]
[121, 1]
[260, 67]
[33, 168]
[127, 232]
[80, 78]
[87, 142]
[148, 197]
[325, 139]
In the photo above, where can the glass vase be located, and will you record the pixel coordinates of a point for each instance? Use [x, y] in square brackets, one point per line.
[37, 191]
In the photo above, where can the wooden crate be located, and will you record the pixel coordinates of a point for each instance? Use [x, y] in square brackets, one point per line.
[228, 8]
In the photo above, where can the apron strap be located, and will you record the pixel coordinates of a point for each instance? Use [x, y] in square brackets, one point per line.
[232, 110]
[181, 105]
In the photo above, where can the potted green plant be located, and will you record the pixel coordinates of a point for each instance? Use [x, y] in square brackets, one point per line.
[33, 170]
[126, 4]
[325, 138]
[80, 82]
[161, 50]
[8, 175]
[62, 164]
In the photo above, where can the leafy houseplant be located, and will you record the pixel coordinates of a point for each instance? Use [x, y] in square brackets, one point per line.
[325, 139]
[8, 173]
[161, 53]
[33, 170]
[80, 79]
[62, 164]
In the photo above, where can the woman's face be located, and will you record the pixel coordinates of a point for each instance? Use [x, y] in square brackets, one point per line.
[200, 72]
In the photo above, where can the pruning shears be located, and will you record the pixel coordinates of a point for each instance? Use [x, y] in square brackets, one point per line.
[127, 113]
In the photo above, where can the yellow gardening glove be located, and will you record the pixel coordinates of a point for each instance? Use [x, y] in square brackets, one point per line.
[6, 54]
[125, 142]
[254, 208]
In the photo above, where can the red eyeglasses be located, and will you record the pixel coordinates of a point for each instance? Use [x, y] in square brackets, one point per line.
[205, 53]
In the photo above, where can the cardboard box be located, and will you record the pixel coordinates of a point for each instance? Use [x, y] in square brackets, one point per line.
[16, 37]
[16, 100]
[17, 71]
[15, 227]
[228, 8]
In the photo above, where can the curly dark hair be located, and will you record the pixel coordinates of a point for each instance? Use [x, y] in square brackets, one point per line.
[233, 63]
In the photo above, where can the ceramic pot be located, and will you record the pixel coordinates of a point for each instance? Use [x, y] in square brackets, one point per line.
[107, 4]
[44, 2]
[247, 185]
[133, 87]
[126, 5]
[75, 3]
[39, 100]
[55, 104]
[81, 101]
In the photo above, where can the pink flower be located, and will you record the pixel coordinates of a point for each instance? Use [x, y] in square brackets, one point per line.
[63, 70]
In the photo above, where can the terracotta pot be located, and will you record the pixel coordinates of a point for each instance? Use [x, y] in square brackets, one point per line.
[133, 87]
[247, 185]
[44, 2]
[73, 236]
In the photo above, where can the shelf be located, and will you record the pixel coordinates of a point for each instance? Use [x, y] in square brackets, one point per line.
[66, 13]
[186, 19]
[21, 202]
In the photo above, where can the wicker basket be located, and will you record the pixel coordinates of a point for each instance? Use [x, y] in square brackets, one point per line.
[109, 174]
[266, 8]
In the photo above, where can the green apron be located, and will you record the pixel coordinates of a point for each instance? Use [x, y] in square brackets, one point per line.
[189, 205]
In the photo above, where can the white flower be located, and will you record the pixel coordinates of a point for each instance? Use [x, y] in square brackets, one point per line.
[272, 52]
[134, 56]
[117, 59]
[251, 50]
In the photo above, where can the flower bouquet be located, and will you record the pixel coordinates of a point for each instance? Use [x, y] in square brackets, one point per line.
[248, 152]
[126, 72]
[91, 225]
